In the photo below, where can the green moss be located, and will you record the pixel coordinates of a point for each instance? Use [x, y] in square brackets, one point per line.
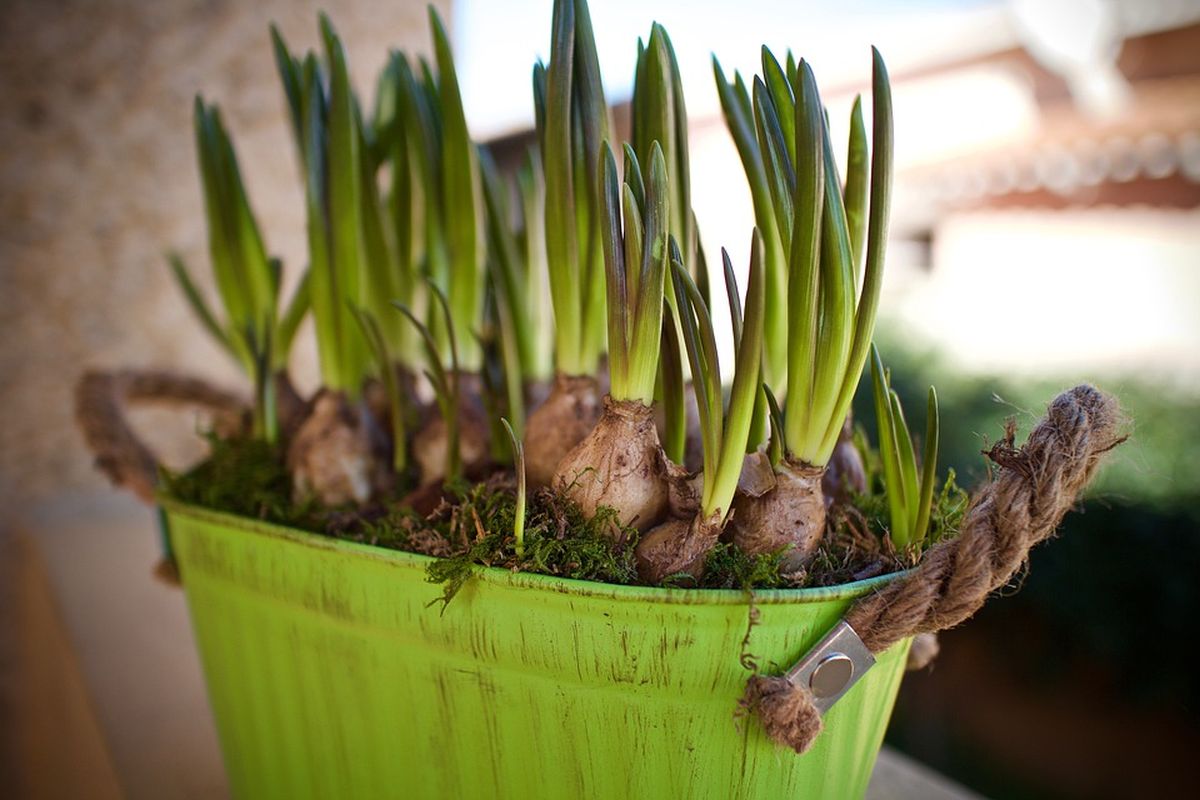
[728, 567]
[472, 526]
[477, 521]
[246, 477]
[866, 520]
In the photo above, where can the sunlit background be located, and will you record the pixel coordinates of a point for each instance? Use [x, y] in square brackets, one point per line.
[1046, 230]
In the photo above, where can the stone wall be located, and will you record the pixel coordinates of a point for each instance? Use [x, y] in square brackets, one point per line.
[98, 178]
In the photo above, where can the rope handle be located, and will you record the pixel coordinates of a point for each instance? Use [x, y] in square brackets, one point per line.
[1034, 488]
[102, 403]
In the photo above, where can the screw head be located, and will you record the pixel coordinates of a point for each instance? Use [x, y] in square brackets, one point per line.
[831, 675]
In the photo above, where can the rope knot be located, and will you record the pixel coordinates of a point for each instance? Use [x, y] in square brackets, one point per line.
[1035, 487]
[786, 710]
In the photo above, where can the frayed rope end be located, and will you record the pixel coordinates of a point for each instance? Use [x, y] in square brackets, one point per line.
[786, 710]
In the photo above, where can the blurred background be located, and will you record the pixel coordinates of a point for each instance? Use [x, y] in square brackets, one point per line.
[1046, 230]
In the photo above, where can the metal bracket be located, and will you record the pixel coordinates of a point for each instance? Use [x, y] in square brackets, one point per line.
[832, 666]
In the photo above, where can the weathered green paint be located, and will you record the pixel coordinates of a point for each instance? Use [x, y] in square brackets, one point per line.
[330, 675]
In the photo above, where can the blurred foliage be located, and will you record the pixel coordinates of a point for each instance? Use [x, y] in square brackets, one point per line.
[1118, 582]
[1158, 466]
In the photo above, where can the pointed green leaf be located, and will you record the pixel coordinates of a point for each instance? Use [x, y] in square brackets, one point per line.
[290, 74]
[877, 227]
[889, 453]
[647, 322]
[856, 185]
[670, 390]
[718, 494]
[782, 100]
[781, 174]
[289, 321]
[561, 247]
[804, 287]
[928, 467]
[198, 304]
[615, 271]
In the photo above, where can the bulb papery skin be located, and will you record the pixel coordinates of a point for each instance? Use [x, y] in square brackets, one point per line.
[620, 464]
[789, 518]
[845, 474]
[334, 456]
[677, 547]
[558, 425]
[431, 444]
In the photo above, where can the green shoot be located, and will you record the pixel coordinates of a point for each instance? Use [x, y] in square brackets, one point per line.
[668, 393]
[248, 282]
[659, 115]
[737, 109]
[373, 334]
[537, 348]
[775, 447]
[404, 146]
[325, 121]
[381, 130]
[265, 416]
[910, 498]
[519, 511]
[794, 177]
[200, 306]
[506, 275]
[724, 431]
[635, 260]
[289, 322]
[782, 137]
[243, 273]
[460, 204]
[855, 193]
[759, 426]
[877, 227]
[345, 212]
[444, 382]
[573, 121]
[366, 250]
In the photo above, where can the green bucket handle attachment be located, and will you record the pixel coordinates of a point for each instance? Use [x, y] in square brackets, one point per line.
[832, 666]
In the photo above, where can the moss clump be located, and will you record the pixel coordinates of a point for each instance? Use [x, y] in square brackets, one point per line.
[470, 526]
[728, 567]
[475, 524]
[246, 477]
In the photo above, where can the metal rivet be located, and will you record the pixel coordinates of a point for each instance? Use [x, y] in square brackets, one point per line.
[831, 675]
[823, 669]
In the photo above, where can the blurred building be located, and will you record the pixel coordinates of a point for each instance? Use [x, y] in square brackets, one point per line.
[1056, 217]
[1048, 159]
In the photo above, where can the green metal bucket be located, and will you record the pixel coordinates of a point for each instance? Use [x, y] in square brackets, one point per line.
[331, 675]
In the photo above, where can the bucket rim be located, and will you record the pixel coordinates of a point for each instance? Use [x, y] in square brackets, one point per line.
[532, 580]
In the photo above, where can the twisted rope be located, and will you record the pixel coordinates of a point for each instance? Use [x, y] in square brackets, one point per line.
[101, 400]
[1035, 487]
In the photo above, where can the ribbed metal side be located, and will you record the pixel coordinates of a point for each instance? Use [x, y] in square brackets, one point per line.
[330, 675]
